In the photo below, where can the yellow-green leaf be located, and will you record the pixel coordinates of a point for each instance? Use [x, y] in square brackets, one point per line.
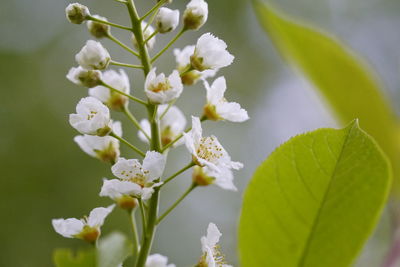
[314, 201]
[341, 77]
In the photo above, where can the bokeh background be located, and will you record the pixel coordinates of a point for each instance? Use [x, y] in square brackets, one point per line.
[45, 175]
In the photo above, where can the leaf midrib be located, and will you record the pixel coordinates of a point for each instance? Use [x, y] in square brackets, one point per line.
[315, 222]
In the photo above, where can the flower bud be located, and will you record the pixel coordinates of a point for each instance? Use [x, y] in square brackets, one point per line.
[77, 13]
[167, 20]
[200, 177]
[87, 78]
[93, 56]
[195, 15]
[98, 29]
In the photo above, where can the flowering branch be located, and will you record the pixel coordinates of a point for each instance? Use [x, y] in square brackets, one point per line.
[138, 183]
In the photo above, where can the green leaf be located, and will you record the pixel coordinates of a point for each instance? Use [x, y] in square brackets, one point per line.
[113, 250]
[314, 201]
[341, 77]
[66, 258]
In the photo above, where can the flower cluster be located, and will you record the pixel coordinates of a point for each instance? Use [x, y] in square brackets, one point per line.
[138, 182]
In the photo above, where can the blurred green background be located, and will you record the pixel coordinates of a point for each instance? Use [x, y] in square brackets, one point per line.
[45, 175]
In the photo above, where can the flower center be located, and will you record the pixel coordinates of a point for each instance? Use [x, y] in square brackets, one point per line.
[136, 177]
[209, 150]
[91, 115]
[160, 87]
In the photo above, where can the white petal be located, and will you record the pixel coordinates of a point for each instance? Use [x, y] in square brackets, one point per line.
[68, 227]
[213, 236]
[115, 189]
[98, 215]
[127, 169]
[157, 260]
[154, 163]
[215, 93]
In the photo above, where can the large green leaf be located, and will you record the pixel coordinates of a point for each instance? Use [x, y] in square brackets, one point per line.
[341, 77]
[66, 258]
[113, 250]
[314, 201]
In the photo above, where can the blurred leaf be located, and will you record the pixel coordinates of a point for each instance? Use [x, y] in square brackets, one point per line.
[113, 250]
[342, 78]
[66, 258]
[314, 201]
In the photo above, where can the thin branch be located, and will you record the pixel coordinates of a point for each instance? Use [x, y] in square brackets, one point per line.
[137, 150]
[158, 5]
[142, 212]
[125, 94]
[190, 189]
[116, 63]
[190, 165]
[168, 45]
[135, 122]
[124, 46]
[109, 23]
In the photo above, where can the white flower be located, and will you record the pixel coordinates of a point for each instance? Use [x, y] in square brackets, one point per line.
[223, 178]
[148, 30]
[167, 20]
[160, 89]
[105, 148]
[92, 117]
[118, 80]
[83, 77]
[116, 189]
[172, 124]
[195, 15]
[218, 108]
[97, 29]
[210, 53]
[142, 175]
[212, 257]
[182, 58]
[207, 151]
[157, 260]
[93, 56]
[87, 228]
[77, 13]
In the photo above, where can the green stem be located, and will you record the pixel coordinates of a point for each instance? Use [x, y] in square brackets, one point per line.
[135, 122]
[187, 70]
[168, 45]
[109, 23]
[143, 214]
[190, 165]
[158, 5]
[137, 150]
[135, 233]
[150, 21]
[122, 93]
[148, 235]
[116, 63]
[166, 110]
[190, 189]
[124, 46]
[121, 1]
[151, 36]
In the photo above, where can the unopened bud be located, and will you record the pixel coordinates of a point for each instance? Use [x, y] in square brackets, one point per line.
[98, 29]
[201, 178]
[87, 78]
[77, 13]
[195, 15]
[167, 20]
